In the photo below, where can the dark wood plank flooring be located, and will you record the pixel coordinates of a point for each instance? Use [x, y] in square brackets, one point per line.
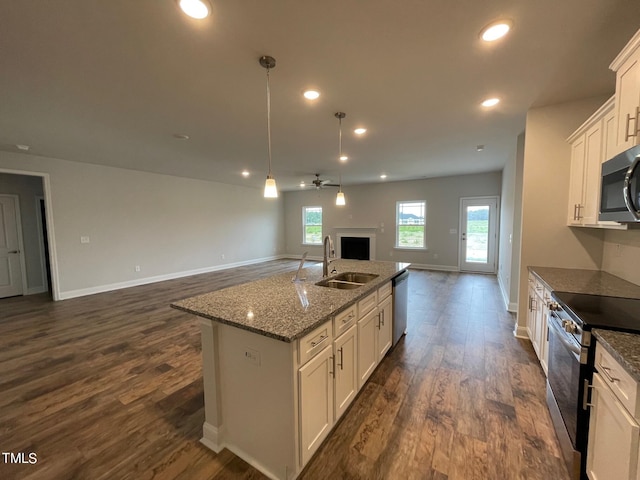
[109, 387]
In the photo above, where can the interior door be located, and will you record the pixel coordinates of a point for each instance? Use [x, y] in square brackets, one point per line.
[10, 259]
[478, 234]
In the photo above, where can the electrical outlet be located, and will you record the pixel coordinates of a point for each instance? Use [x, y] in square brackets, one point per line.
[253, 356]
[84, 239]
[137, 268]
[222, 256]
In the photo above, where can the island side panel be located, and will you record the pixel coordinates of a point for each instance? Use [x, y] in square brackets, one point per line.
[212, 429]
[259, 398]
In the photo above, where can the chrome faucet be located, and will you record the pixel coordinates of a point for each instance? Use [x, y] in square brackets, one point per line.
[327, 256]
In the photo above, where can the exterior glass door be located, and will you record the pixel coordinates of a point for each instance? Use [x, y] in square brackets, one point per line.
[478, 235]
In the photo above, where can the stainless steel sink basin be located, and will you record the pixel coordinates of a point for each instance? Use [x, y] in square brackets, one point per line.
[355, 277]
[347, 280]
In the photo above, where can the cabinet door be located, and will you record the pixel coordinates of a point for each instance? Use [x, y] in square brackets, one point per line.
[609, 133]
[576, 180]
[367, 348]
[544, 340]
[385, 327]
[346, 385]
[627, 101]
[592, 174]
[613, 437]
[316, 402]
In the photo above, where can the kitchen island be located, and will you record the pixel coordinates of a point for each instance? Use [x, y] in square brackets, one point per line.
[283, 360]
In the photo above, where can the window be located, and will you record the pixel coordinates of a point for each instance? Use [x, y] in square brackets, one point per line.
[410, 224]
[312, 225]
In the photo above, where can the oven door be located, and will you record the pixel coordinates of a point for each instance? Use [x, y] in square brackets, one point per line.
[565, 376]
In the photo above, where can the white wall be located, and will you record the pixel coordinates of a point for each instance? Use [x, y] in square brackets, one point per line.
[621, 253]
[510, 225]
[546, 239]
[375, 205]
[27, 189]
[170, 226]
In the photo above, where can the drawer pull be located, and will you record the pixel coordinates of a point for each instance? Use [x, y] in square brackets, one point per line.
[348, 319]
[605, 371]
[320, 340]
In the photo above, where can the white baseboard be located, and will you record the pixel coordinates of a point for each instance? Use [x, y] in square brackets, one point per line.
[160, 278]
[511, 306]
[521, 332]
[440, 268]
[211, 437]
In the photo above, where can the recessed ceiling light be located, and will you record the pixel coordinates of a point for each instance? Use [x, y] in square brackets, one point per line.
[495, 30]
[24, 148]
[198, 9]
[344, 158]
[311, 94]
[181, 136]
[383, 176]
[491, 102]
[360, 131]
[245, 173]
[302, 184]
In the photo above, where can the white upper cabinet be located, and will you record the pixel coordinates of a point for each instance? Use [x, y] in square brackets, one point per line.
[627, 98]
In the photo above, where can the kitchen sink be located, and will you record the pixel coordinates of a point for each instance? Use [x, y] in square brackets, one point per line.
[347, 280]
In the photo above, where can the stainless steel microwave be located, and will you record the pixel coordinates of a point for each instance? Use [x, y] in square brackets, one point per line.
[620, 188]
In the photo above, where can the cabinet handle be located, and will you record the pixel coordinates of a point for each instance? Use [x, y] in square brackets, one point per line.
[320, 340]
[332, 372]
[534, 305]
[585, 395]
[575, 211]
[382, 318]
[348, 319]
[634, 132]
[341, 359]
[378, 321]
[579, 216]
[605, 371]
[637, 121]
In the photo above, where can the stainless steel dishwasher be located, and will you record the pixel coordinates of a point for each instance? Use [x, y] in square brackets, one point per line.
[400, 299]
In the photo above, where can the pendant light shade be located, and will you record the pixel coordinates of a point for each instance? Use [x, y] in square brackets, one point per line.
[340, 200]
[270, 189]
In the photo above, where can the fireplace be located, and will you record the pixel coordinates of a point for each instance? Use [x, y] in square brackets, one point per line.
[356, 245]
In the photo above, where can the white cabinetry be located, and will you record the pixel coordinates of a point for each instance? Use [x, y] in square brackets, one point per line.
[627, 98]
[614, 433]
[539, 298]
[367, 338]
[589, 148]
[316, 402]
[385, 327]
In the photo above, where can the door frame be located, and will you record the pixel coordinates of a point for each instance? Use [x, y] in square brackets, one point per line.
[494, 242]
[51, 239]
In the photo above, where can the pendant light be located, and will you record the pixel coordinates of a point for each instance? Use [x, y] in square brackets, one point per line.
[340, 200]
[270, 190]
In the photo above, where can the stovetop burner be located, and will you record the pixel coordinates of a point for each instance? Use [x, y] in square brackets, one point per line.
[596, 311]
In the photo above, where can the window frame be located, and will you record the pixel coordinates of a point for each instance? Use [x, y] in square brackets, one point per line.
[397, 246]
[305, 224]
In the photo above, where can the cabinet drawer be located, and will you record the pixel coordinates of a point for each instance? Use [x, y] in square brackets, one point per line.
[539, 286]
[384, 291]
[624, 387]
[314, 341]
[367, 304]
[344, 320]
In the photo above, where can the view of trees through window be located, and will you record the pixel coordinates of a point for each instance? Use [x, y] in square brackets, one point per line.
[410, 224]
[312, 225]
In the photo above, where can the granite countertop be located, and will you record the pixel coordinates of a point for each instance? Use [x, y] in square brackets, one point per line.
[624, 347]
[592, 282]
[275, 306]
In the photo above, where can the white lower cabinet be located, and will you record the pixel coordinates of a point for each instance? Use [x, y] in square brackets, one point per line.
[346, 370]
[539, 298]
[316, 402]
[385, 326]
[367, 350]
[614, 433]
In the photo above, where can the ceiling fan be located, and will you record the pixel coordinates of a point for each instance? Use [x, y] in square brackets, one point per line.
[320, 183]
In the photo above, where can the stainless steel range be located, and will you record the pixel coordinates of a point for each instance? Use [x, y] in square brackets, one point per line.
[572, 316]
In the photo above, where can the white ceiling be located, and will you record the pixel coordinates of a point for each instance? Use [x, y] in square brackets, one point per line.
[110, 82]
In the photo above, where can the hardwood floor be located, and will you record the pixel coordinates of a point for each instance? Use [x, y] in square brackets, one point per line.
[109, 387]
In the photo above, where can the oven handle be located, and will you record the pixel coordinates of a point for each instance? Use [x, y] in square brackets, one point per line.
[561, 334]
[628, 200]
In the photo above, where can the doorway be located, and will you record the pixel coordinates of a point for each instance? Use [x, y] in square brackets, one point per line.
[478, 234]
[12, 271]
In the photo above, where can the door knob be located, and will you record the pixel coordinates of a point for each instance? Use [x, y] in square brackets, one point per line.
[14, 251]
